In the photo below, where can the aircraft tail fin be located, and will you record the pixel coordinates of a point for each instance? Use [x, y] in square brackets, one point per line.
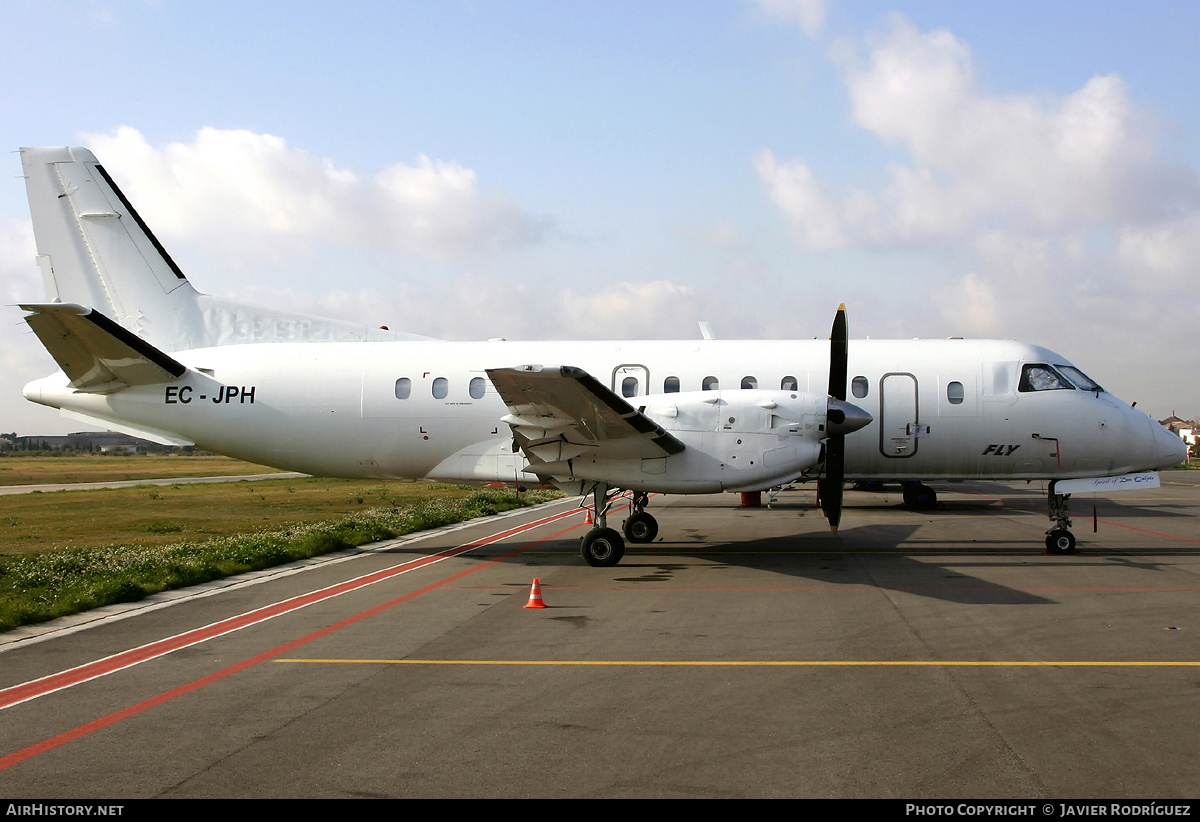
[95, 353]
[95, 250]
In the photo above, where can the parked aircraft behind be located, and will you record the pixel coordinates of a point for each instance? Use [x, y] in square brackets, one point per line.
[141, 351]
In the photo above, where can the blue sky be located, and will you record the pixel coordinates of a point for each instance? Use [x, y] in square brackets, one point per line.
[557, 170]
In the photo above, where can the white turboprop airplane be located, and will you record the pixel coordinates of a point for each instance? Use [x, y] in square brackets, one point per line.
[141, 351]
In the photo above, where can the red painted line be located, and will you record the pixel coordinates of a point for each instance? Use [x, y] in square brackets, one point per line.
[65, 679]
[111, 719]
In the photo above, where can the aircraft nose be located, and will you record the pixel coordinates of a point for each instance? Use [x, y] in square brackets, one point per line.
[845, 417]
[1172, 450]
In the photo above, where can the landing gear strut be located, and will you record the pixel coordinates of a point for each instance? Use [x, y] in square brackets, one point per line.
[640, 527]
[602, 547]
[1059, 539]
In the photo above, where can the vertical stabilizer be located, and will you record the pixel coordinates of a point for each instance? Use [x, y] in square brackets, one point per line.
[95, 250]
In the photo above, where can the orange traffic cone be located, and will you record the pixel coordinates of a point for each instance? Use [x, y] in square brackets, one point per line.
[587, 519]
[535, 596]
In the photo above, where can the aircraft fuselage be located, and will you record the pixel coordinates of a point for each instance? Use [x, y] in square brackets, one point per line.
[943, 409]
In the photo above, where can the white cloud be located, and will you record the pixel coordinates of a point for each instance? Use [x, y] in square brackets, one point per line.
[648, 310]
[253, 197]
[1163, 256]
[1035, 164]
[18, 271]
[816, 218]
[808, 14]
[478, 307]
[22, 357]
[970, 307]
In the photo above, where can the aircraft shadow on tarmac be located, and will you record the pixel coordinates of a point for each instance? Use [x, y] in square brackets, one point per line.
[1032, 497]
[868, 556]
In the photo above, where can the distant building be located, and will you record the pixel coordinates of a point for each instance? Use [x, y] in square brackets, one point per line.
[100, 441]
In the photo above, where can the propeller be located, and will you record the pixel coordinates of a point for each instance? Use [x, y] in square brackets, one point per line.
[840, 416]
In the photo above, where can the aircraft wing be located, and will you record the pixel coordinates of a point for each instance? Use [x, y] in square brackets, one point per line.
[98, 355]
[559, 413]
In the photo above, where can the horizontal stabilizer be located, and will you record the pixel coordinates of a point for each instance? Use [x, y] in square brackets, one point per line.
[560, 413]
[95, 353]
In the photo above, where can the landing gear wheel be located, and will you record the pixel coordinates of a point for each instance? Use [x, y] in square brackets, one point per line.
[920, 497]
[602, 547]
[1060, 541]
[640, 527]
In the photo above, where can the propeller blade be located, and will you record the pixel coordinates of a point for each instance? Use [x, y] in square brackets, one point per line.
[839, 354]
[830, 486]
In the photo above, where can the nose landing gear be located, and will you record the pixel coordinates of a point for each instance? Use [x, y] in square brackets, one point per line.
[1059, 539]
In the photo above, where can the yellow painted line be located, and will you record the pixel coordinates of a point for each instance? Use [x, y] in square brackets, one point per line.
[796, 663]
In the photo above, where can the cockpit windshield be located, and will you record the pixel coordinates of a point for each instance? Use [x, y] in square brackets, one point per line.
[1081, 380]
[1041, 377]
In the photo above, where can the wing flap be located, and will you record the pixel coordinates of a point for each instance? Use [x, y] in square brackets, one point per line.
[560, 413]
[95, 353]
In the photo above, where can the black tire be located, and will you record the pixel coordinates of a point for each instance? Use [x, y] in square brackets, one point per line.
[920, 497]
[602, 547]
[640, 528]
[1060, 541]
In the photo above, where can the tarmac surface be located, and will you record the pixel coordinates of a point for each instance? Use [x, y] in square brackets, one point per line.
[749, 653]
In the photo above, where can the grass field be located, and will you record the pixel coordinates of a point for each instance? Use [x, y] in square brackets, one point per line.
[43, 470]
[66, 551]
[158, 515]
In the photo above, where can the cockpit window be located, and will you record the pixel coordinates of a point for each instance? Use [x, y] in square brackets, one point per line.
[1081, 380]
[1040, 377]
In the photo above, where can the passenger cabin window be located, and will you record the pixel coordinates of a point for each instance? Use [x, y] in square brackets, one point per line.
[629, 387]
[476, 388]
[954, 393]
[403, 388]
[1040, 377]
[710, 384]
[441, 386]
[671, 385]
[859, 387]
[749, 382]
[789, 384]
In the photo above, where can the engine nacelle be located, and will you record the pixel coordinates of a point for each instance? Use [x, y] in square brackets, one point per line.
[741, 440]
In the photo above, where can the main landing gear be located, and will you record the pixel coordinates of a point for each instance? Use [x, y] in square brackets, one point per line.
[919, 496]
[640, 527]
[1059, 539]
[603, 547]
